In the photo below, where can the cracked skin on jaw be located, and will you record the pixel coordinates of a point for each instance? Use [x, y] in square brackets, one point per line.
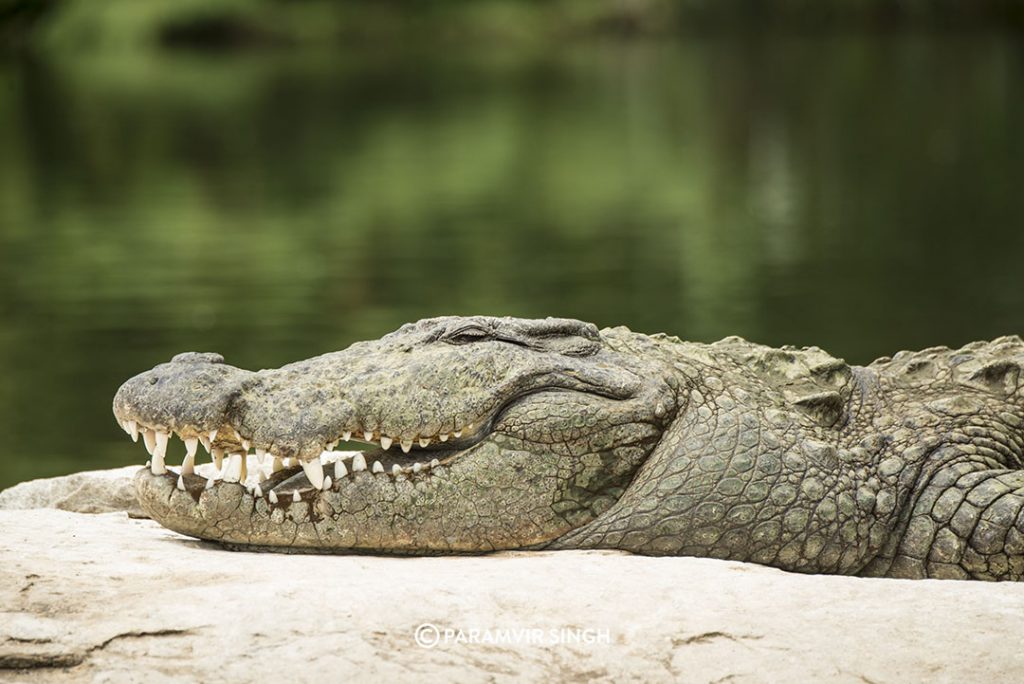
[579, 438]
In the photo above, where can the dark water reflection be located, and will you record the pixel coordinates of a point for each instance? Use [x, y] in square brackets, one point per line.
[861, 194]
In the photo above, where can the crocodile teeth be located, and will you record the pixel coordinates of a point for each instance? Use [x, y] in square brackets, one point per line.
[188, 466]
[327, 482]
[416, 467]
[346, 436]
[205, 441]
[331, 445]
[434, 463]
[296, 496]
[396, 469]
[406, 445]
[377, 467]
[245, 445]
[191, 446]
[385, 443]
[261, 455]
[181, 483]
[272, 496]
[358, 463]
[368, 436]
[149, 438]
[340, 470]
[161, 444]
[213, 436]
[218, 457]
[443, 437]
[257, 491]
[314, 472]
[233, 470]
[457, 434]
[276, 465]
[210, 482]
[424, 441]
[133, 430]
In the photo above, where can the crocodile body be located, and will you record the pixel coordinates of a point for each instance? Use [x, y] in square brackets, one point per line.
[500, 433]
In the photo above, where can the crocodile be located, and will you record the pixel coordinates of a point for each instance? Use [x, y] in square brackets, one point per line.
[488, 433]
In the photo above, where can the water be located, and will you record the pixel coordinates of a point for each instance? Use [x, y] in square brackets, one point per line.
[865, 194]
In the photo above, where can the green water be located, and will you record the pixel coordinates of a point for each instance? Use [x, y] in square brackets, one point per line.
[865, 194]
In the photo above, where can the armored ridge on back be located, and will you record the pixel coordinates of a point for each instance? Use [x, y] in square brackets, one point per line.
[500, 433]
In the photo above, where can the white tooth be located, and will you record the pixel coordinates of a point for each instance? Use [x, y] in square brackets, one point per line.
[245, 445]
[424, 441]
[218, 457]
[233, 470]
[314, 472]
[288, 462]
[468, 428]
[406, 446]
[213, 436]
[331, 445]
[377, 467]
[340, 470]
[133, 430]
[258, 491]
[205, 441]
[417, 467]
[272, 496]
[188, 466]
[434, 463]
[443, 437]
[261, 475]
[160, 449]
[149, 438]
[277, 465]
[181, 483]
[148, 462]
[385, 443]
[368, 436]
[261, 455]
[245, 469]
[191, 446]
[296, 496]
[327, 482]
[396, 469]
[157, 465]
[358, 463]
[457, 434]
[124, 425]
[210, 481]
[346, 435]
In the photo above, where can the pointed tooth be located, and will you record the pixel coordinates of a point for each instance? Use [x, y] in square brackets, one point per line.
[327, 482]
[340, 470]
[210, 482]
[245, 469]
[149, 438]
[272, 496]
[205, 441]
[157, 465]
[181, 483]
[188, 466]
[377, 467]
[457, 434]
[213, 436]
[218, 457]
[347, 435]
[385, 443]
[245, 446]
[424, 441]
[358, 463]
[261, 475]
[332, 445]
[261, 455]
[314, 472]
[257, 491]
[191, 446]
[443, 437]
[417, 467]
[133, 430]
[276, 465]
[434, 463]
[368, 436]
[406, 445]
[160, 449]
[396, 470]
[296, 497]
[233, 470]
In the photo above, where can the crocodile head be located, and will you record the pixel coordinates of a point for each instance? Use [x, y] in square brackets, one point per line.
[480, 433]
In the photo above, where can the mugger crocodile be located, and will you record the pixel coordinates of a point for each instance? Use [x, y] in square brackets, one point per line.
[502, 433]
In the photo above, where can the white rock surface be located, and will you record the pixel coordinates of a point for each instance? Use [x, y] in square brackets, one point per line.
[105, 598]
[92, 491]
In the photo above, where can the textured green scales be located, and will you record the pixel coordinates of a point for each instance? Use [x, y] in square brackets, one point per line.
[910, 467]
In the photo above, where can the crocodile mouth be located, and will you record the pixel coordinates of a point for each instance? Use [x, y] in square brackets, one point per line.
[235, 459]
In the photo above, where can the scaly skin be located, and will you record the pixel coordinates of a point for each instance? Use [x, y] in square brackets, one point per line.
[579, 439]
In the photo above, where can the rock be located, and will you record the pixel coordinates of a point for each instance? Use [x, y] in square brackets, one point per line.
[94, 491]
[106, 598]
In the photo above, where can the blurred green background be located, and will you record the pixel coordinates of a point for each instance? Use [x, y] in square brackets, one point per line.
[274, 180]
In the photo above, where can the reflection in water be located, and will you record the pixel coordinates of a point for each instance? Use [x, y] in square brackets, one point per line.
[861, 194]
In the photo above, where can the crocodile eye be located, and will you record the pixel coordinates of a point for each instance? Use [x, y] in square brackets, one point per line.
[467, 335]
